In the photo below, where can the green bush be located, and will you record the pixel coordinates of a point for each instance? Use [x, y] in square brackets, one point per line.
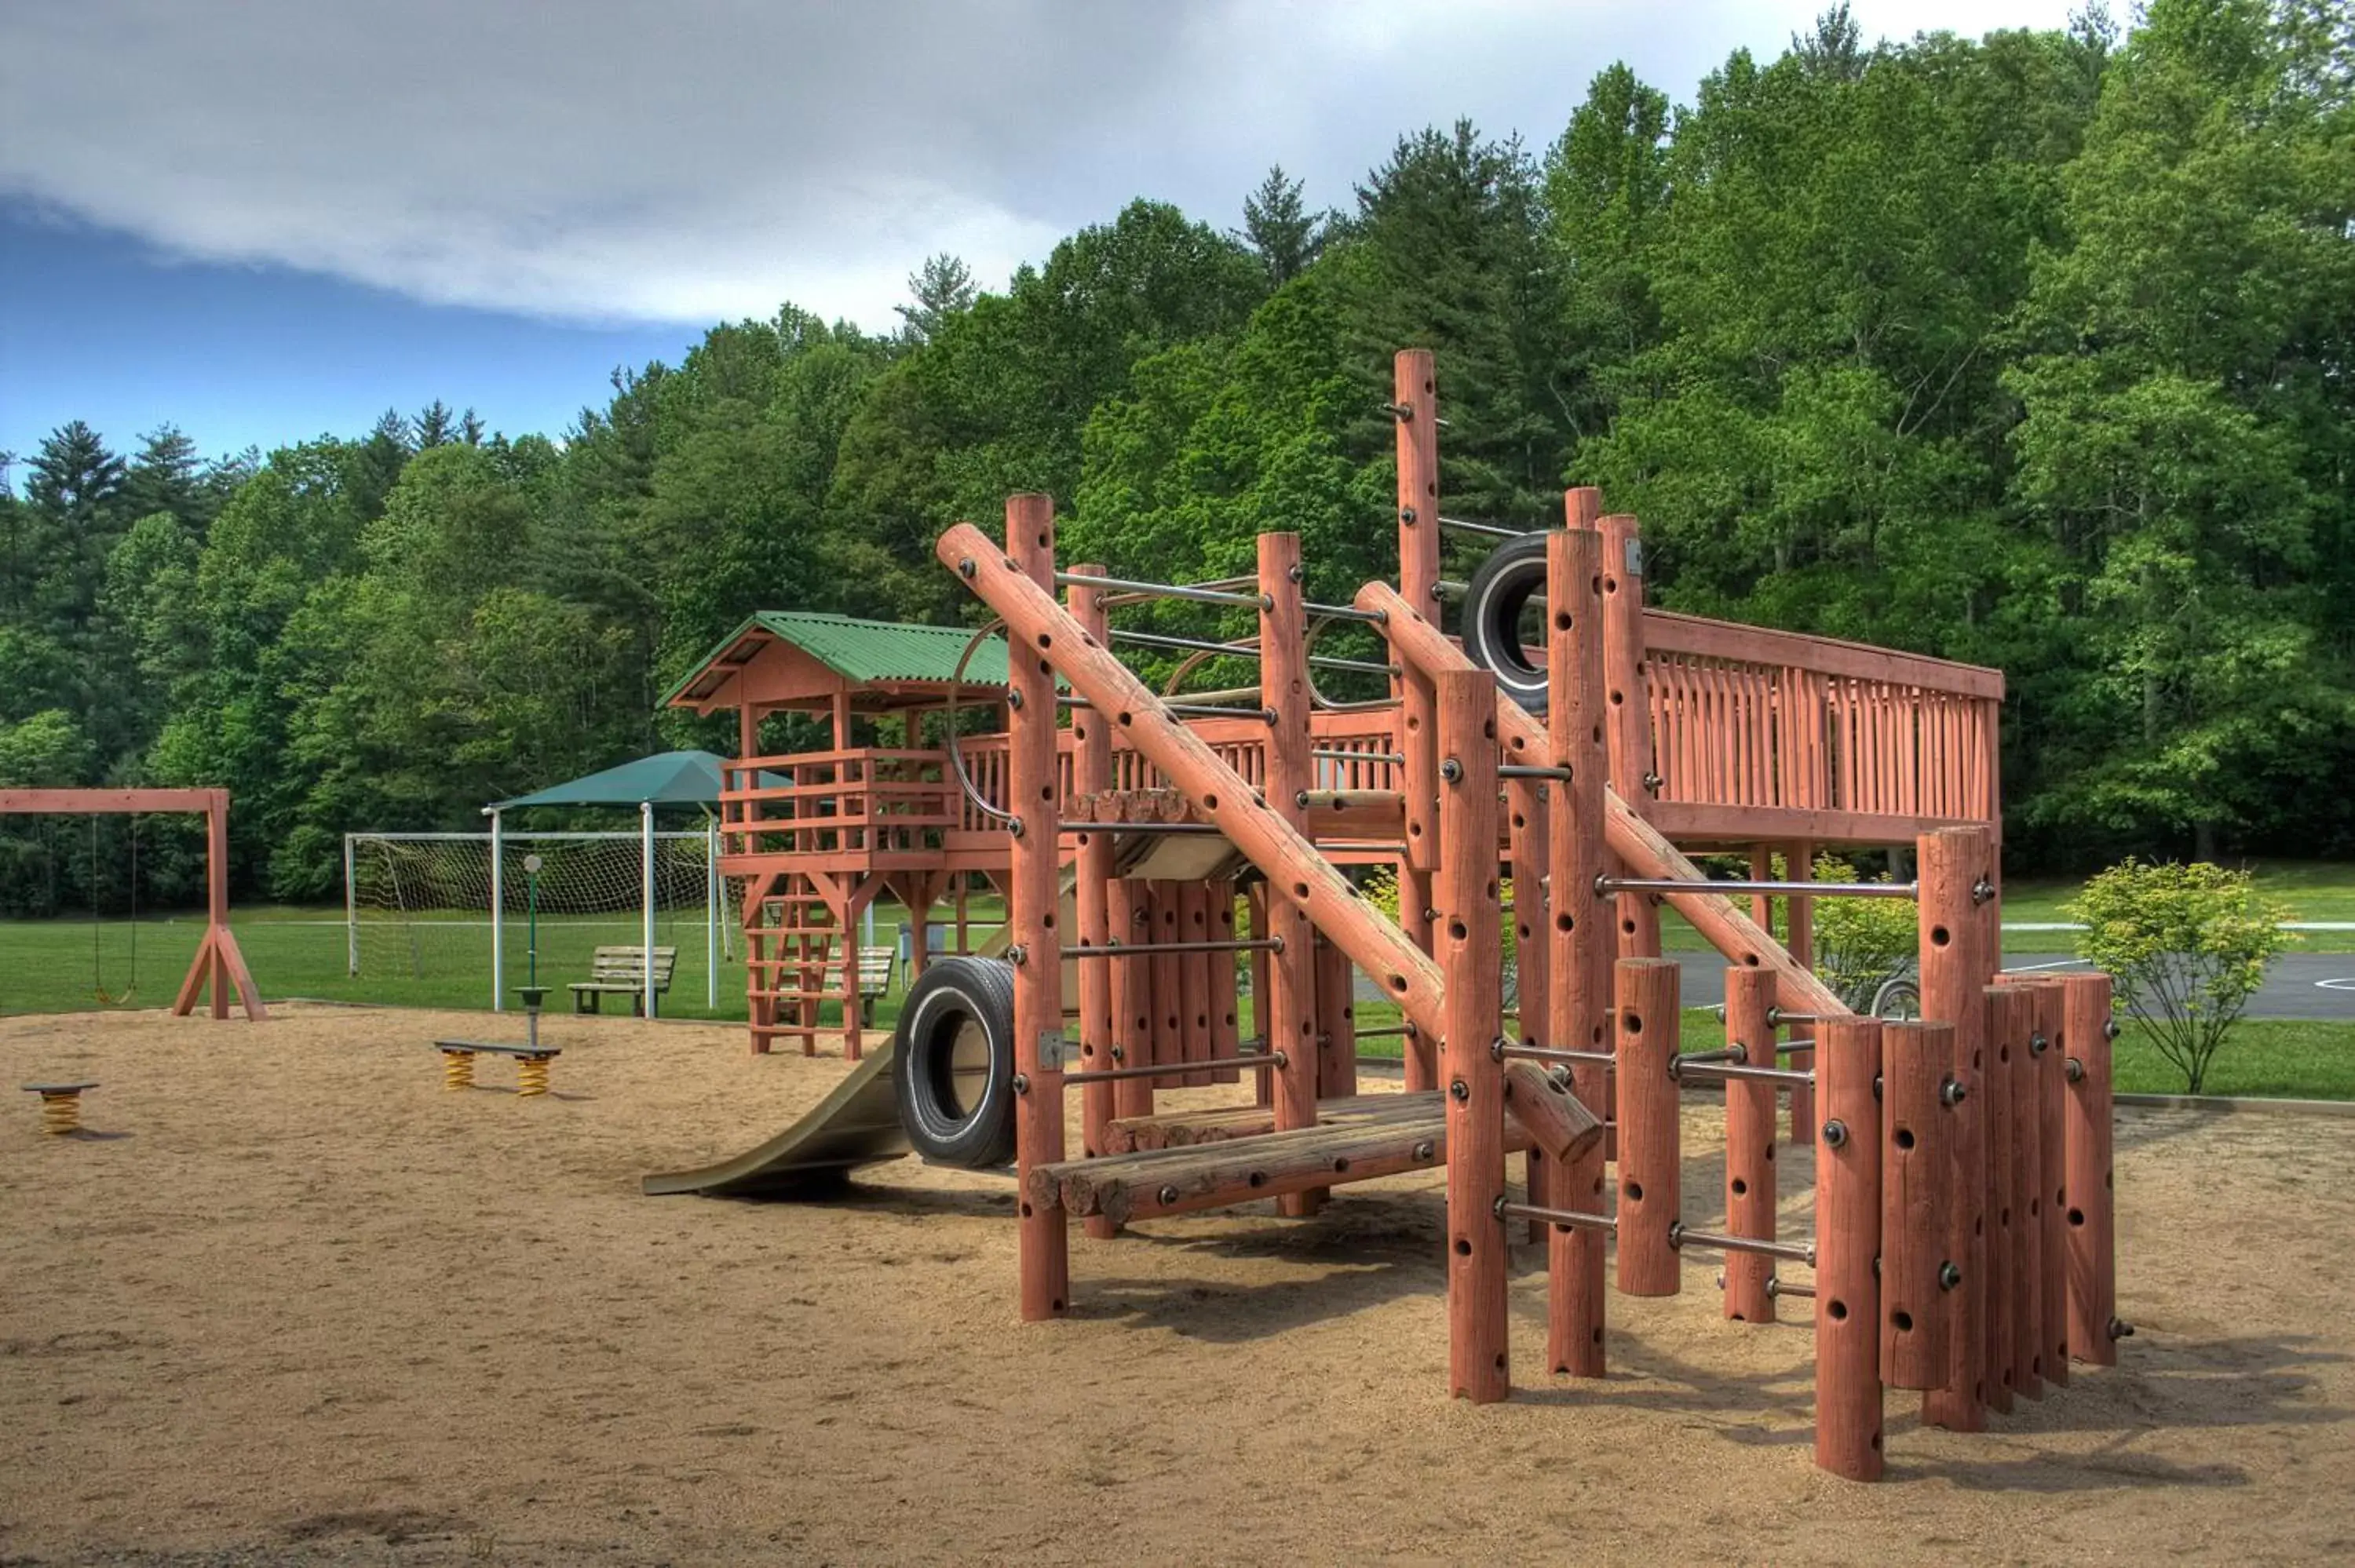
[2188, 945]
[1861, 943]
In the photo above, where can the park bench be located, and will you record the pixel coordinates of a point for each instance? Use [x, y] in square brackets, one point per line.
[531, 1064]
[876, 966]
[622, 971]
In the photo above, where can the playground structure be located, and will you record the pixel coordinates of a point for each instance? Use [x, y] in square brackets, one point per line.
[1962, 1236]
[218, 966]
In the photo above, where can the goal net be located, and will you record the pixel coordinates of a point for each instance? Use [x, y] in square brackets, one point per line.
[420, 906]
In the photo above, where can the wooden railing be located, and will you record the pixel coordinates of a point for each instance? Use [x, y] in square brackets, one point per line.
[1816, 733]
[865, 801]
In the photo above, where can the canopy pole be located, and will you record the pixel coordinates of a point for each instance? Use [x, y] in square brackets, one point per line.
[351, 914]
[499, 931]
[710, 914]
[646, 837]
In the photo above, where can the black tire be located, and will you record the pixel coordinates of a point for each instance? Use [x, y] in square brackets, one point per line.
[1494, 602]
[953, 1062]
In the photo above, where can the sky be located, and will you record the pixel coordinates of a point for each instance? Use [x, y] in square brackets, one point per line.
[274, 220]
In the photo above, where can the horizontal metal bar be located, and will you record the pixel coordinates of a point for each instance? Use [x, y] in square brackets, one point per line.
[1775, 1287]
[1448, 587]
[1788, 1077]
[1569, 1219]
[1363, 666]
[1530, 771]
[1256, 1061]
[1163, 590]
[1393, 758]
[1189, 644]
[1761, 889]
[1183, 710]
[1493, 531]
[1735, 1052]
[1139, 828]
[1386, 1031]
[1681, 1236]
[1507, 1051]
[1140, 950]
[1345, 612]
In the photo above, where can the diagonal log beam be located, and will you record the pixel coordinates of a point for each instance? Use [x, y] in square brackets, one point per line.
[1646, 852]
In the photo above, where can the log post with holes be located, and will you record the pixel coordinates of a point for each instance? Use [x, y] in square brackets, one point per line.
[1129, 916]
[1471, 941]
[1750, 1112]
[1847, 1249]
[1916, 1178]
[1525, 815]
[2051, 1209]
[1043, 1242]
[1651, 1185]
[2086, 1183]
[2032, 1002]
[2006, 1051]
[1168, 988]
[1226, 1022]
[1577, 927]
[1292, 976]
[1091, 892]
[1255, 903]
[1952, 864]
[1336, 1024]
[1194, 981]
[1415, 406]
[1630, 709]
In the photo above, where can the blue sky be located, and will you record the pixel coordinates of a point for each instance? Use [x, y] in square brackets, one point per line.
[274, 220]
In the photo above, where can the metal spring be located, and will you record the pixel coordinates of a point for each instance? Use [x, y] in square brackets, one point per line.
[62, 1114]
[531, 1075]
[457, 1069]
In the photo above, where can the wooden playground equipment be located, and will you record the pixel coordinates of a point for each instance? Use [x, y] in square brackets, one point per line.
[218, 966]
[1962, 1241]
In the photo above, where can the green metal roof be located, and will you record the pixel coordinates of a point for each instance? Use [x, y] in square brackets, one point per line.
[856, 650]
[673, 777]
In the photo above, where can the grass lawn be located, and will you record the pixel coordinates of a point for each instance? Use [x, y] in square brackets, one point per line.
[2314, 890]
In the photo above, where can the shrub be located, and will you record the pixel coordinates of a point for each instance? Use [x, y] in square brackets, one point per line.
[2188, 945]
[1860, 943]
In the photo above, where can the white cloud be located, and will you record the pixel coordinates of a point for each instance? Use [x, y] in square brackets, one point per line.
[703, 158]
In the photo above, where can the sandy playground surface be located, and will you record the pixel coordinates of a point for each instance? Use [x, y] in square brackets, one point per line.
[299, 1304]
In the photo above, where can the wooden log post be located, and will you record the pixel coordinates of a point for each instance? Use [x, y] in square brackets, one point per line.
[1226, 1020]
[2087, 1184]
[1471, 943]
[1630, 706]
[2035, 1010]
[1750, 1113]
[1255, 905]
[1194, 981]
[1799, 941]
[1951, 864]
[2050, 1212]
[1168, 988]
[1651, 1185]
[1291, 971]
[1092, 889]
[1578, 925]
[1129, 916]
[1916, 1181]
[1415, 405]
[2009, 1369]
[1848, 1248]
[1525, 819]
[1043, 1241]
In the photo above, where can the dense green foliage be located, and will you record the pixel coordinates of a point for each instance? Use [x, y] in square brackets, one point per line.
[2031, 350]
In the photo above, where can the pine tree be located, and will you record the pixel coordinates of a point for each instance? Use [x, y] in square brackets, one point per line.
[435, 426]
[1280, 229]
[943, 287]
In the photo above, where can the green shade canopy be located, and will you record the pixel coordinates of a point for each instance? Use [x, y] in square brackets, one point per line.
[671, 778]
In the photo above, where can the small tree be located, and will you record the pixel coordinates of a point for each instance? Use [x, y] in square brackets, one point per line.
[1860, 943]
[2188, 945]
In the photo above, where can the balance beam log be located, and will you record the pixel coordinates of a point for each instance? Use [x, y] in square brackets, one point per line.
[1848, 1245]
[1549, 1114]
[1915, 1179]
[1651, 1191]
[2087, 1184]
[1221, 1124]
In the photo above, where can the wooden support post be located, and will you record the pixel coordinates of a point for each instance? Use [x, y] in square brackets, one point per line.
[2009, 1371]
[2050, 1210]
[1916, 1179]
[1651, 1185]
[1525, 816]
[2037, 1005]
[1415, 402]
[1226, 1022]
[2087, 1184]
[1129, 916]
[1847, 1249]
[1044, 1244]
[1472, 944]
[1256, 902]
[1092, 888]
[1283, 691]
[1800, 941]
[1578, 925]
[1168, 987]
[1750, 1113]
[1952, 864]
[1631, 715]
[1194, 981]
[1336, 1026]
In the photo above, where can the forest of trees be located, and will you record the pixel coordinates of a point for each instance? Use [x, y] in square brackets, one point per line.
[2033, 351]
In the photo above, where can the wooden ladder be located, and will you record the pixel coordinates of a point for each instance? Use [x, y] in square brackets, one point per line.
[787, 949]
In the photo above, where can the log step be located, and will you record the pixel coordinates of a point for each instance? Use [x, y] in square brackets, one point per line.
[1186, 1129]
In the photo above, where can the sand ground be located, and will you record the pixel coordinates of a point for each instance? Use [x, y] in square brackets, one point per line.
[295, 1302]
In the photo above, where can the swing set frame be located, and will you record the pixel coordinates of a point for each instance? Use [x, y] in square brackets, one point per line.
[219, 966]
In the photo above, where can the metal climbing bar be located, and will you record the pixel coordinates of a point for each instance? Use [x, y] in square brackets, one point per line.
[1344, 612]
[1569, 1219]
[1248, 1062]
[1159, 590]
[1764, 889]
[1489, 530]
[1117, 950]
[1681, 1236]
[1185, 710]
[1240, 651]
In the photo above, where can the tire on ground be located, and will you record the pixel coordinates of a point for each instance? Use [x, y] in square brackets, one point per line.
[953, 1062]
[1513, 575]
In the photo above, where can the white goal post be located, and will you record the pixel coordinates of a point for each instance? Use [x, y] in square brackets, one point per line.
[428, 907]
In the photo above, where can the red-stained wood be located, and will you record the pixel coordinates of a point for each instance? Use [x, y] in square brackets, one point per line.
[1916, 1181]
[1092, 888]
[1847, 1249]
[1226, 1020]
[1750, 1149]
[1415, 395]
[1292, 970]
[1550, 1113]
[1255, 903]
[1578, 921]
[1129, 917]
[1956, 969]
[1168, 987]
[1800, 941]
[2052, 1198]
[1336, 1024]
[1043, 1241]
[1471, 939]
[1525, 831]
[2087, 1186]
[1194, 981]
[1628, 729]
[2009, 1015]
[2037, 1165]
[1650, 1153]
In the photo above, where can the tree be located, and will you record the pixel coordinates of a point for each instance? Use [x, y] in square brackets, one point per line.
[2188, 945]
[1280, 229]
[164, 477]
[434, 426]
[943, 287]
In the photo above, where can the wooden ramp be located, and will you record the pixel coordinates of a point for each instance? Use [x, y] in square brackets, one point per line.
[858, 1124]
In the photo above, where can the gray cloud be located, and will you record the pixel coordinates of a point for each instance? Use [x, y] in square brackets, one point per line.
[708, 158]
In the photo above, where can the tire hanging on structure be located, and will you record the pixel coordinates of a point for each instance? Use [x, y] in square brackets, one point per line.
[1499, 596]
[953, 1062]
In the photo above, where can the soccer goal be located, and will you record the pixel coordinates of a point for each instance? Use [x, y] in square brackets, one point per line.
[453, 906]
